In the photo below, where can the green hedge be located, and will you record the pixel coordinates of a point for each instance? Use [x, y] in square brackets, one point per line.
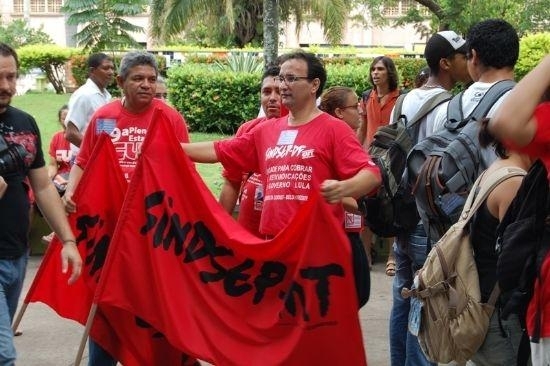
[79, 69]
[532, 49]
[214, 101]
[219, 101]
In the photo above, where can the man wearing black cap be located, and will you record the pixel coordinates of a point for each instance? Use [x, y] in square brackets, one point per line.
[445, 54]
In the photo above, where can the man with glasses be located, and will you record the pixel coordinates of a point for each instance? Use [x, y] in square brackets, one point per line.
[317, 151]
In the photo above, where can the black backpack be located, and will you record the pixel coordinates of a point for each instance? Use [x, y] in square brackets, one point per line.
[392, 210]
[523, 243]
[442, 168]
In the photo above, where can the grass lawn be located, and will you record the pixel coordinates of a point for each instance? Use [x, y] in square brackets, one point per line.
[44, 106]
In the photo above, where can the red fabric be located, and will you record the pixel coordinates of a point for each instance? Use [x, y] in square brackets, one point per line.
[127, 132]
[294, 161]
[99, 197]
[60, 150]
[540, 147]
[376, 114]
[183, 265]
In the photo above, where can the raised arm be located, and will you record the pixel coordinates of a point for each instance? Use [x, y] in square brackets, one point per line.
[200, 152]
[513, 120]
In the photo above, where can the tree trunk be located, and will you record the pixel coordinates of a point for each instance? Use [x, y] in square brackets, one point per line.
[271, 32]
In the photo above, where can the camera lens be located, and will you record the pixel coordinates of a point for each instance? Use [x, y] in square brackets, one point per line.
[12, 159]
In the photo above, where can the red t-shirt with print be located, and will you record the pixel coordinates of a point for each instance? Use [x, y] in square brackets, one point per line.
[294, 161]
[127, 131]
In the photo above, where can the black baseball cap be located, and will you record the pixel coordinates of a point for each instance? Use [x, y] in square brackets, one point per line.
[443, 45]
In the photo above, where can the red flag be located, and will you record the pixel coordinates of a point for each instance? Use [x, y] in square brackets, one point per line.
[99, 196]
[180, 264]
[128, 338]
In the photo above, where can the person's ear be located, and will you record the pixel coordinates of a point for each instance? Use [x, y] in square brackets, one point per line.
[339, 113]
[316, 83]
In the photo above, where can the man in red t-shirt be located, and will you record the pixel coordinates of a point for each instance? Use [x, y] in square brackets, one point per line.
[305, 151]
[523, 122]
[247, 187]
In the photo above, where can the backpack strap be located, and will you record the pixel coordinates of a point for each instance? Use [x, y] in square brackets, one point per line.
[475, 198]
[429, 106]
[397, 108]
[455, 118]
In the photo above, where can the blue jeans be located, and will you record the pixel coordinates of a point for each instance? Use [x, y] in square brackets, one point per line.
[12, 275]
[409, 257]
[97, 356]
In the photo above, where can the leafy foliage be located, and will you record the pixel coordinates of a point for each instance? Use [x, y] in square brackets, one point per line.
[17, 33]
[104, 25]
[240, 62]
[243, 18]
[532, 49]
[214, 101]
[50, 59]
[219, 101]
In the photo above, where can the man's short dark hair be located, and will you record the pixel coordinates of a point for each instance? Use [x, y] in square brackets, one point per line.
[6, 51]
[271, 71]
[315, 67]
[96, 59]
[496, 43]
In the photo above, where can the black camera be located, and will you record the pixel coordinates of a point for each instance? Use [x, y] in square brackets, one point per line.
[12, 157]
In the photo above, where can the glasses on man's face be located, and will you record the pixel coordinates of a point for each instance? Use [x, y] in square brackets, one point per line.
[289, 79]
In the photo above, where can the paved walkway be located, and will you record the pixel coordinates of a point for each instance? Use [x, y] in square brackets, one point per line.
[49, 340]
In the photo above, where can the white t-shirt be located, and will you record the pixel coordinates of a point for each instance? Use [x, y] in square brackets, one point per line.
[470, 99]
[82, 105]
[412, 103]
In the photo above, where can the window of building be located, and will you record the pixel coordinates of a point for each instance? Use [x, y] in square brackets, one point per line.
[38, 6]
[402, 7]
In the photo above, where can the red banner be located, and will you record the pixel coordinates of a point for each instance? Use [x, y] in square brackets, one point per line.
[99, 196]
[180, 264]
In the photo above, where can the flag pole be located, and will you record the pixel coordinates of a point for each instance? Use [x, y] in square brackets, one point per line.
[85, 335]
[19, 317]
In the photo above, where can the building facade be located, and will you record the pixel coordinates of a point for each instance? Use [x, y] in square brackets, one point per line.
[47, 14]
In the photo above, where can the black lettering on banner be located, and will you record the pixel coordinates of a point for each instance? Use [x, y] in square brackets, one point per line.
[322, 274]
[96, 249]
[230, 277]
[209, 246]
[195, 241]
[83, 223]
[270, 275]
[290, 303]
[168, 229]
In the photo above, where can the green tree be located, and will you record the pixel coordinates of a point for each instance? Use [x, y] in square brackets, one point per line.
[243, 18]
[49, 58]
[104, 26]
[460, 15]
[17, 33]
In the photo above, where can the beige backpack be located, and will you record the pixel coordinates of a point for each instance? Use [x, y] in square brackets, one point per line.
[453, 321]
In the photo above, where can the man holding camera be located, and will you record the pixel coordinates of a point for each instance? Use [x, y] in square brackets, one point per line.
[21, 158]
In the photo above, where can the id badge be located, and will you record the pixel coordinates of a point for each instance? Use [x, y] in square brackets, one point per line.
[415, 316]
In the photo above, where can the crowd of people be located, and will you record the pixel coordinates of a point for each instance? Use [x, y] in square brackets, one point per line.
[336, 126]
